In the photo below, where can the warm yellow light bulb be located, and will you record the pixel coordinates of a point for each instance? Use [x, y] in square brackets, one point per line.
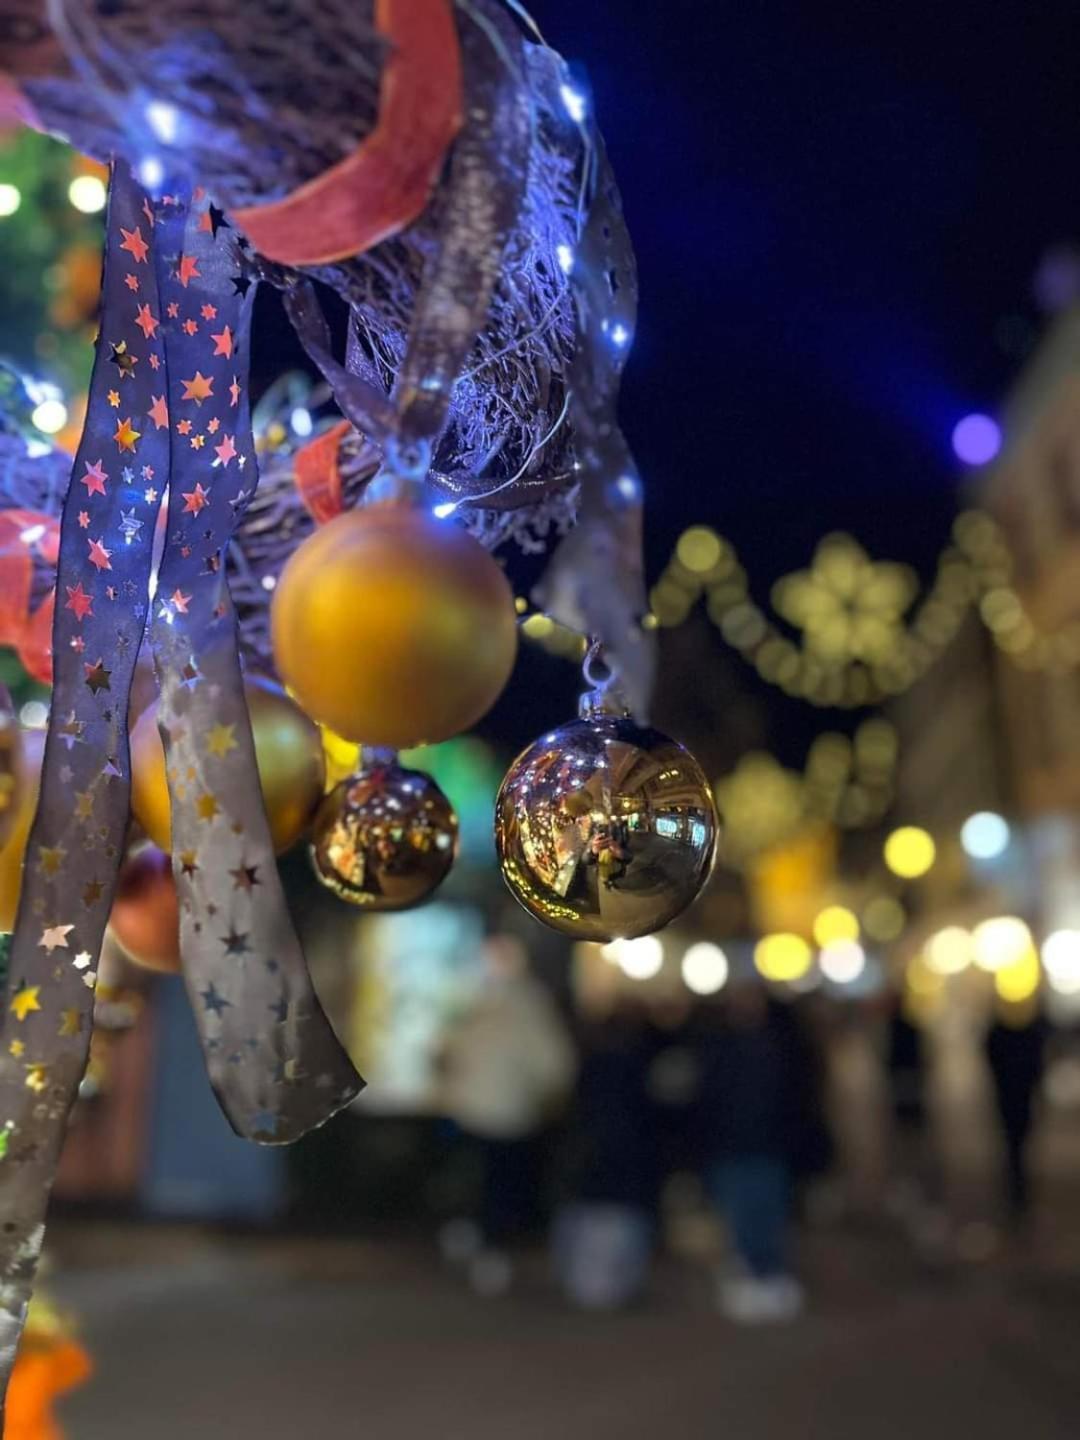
[910, 852]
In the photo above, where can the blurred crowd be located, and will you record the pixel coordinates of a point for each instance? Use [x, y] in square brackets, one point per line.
[583, 1128]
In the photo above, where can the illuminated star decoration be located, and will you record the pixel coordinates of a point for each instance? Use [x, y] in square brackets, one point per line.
[849, 607]
[198, 388]
[135, 244]
[126, 435]
[99, 556]
[25, 1001]
[94, 479]
[54, 937]
[196, 499]
[159, 412]
[123, 359]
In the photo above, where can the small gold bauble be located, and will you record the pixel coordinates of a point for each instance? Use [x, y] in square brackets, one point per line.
[288, 752]
[28, 781]
[393, 628]
[605, 829]
[384, 839]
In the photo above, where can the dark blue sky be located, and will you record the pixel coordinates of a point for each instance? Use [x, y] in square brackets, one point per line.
[835, 206]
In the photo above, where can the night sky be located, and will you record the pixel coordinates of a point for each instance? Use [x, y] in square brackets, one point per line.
[838, 210]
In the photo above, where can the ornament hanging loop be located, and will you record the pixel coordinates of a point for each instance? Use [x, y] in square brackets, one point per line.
[604, 696]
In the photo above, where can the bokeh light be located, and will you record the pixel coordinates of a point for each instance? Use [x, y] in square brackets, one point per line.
[842, 961]
[985, 835]
[883, 918]
[782, 957]
[638, 959]
[950, 951]
[1000, 943]
[705, 968]
[87, 193]
[976, 439]
[1061, 960]
[835, 922]
[50, 416]
[1019, 979]
[699, 549]
[909, 852]
[10, 199]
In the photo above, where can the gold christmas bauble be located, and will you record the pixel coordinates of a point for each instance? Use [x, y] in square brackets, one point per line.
[605, 830]
[384, 839]
[288, 750]
[393, 628]
[145, 917]
[27, 782]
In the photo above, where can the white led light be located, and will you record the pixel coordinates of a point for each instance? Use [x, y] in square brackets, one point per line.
[574, 102]
[705, 968]
[49, 416]
[10, 199]
[164, 120]
[87, 194]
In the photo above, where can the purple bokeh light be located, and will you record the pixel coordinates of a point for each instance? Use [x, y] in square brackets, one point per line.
[976, 439]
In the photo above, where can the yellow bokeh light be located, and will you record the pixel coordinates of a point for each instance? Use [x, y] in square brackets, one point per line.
[910, 852]
[538, 627]
[883, 918]
[949, 951]
[1001, 943]
[699, 549]
[782, 957]
[1019, 980]
[836, 922]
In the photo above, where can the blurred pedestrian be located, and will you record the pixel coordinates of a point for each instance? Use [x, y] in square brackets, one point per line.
[1016, 1054]
[604, 1234]
[756, 1075]
[506, 1068]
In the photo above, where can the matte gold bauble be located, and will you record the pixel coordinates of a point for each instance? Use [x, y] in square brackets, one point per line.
[393, 628]
[145, 918]
[288, 750]
[384, 839]
[27, 782]
[604, 829]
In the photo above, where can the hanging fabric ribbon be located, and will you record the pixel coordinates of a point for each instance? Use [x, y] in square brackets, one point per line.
[273, 1058]
[172, 343]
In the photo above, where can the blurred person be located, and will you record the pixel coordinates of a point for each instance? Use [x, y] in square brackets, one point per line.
[915, 1190]
[756, 1078]
[506, 1066]
[604, 1234]
[1016, 1058]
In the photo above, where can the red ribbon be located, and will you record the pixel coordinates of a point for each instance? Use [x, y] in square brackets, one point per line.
[318, 474]
[29, 632]
[385, 183]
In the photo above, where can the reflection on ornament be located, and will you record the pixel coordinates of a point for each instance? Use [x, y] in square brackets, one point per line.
[288, 749]
[394, 628]
[384, 839]
[145, 918]
[604, 829]
[342, 757]
[28, 773]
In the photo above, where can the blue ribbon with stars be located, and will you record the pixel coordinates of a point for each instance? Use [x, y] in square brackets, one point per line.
[168, 412]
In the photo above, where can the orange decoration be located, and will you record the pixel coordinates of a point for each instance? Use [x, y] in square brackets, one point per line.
[28, 780]
[385, 183]
[145, 917]
[318, 475]
[42, 1373]
[29, 633]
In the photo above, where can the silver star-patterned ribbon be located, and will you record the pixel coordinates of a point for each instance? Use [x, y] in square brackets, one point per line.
[173, 337]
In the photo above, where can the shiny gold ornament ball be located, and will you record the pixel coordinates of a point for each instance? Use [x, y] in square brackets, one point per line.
[288, 751]
[393, 628]
[605, 829]
[384, 839]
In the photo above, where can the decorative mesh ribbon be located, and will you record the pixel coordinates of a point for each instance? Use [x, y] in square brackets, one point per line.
[168, 413]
